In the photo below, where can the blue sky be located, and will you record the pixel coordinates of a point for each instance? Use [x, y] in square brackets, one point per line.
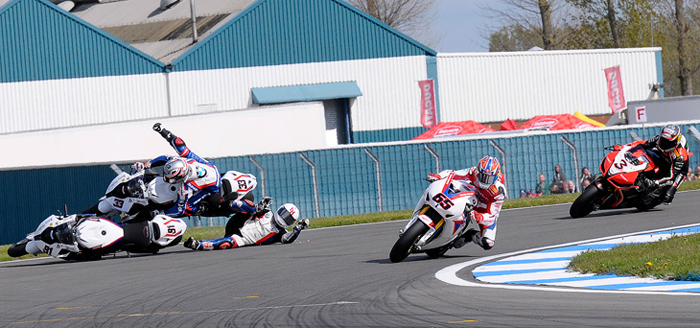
[460, 23]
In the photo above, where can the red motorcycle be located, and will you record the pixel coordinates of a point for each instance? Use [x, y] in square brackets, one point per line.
[624, 182]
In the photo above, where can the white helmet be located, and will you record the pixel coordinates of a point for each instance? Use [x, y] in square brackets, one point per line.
[286, 215]
[176, 170]
[165, 229]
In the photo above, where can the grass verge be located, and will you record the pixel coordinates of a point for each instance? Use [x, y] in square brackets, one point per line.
[676, 258]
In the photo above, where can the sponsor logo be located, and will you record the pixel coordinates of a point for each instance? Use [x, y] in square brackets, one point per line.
[545, 122]
[448, 131]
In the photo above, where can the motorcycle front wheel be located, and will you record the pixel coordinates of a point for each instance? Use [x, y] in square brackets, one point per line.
[584, 204]
[406, 242]
[18, 249]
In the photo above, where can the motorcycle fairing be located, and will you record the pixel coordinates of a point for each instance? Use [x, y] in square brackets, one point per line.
[95, 233]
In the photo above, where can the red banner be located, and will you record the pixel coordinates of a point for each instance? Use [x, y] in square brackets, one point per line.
[427, 104]
[616, 98]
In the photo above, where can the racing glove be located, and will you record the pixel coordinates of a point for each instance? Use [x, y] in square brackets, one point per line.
[138, 166]
[303, 224]
[167, 135]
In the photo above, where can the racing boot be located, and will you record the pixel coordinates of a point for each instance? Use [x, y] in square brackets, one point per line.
[467, 237]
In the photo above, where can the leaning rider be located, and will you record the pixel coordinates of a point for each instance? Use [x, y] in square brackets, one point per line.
[486, 176]
[669, 151]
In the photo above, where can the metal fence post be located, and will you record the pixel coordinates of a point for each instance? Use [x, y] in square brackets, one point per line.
[377, 167]
[504, 163]
[435, 155]
[317, 204]
[635, 136]
[574, 150]
[262, 175]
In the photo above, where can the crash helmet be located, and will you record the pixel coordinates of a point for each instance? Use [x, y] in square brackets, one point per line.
[669, 137]
[487, 171]
[176, 170]
[286, 215]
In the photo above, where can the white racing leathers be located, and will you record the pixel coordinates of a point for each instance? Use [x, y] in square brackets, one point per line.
[488, 209]
[258, 230]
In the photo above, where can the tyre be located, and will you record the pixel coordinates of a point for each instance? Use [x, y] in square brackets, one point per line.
[406, 242]
[585, 204]
[437, 252]
[18, 249]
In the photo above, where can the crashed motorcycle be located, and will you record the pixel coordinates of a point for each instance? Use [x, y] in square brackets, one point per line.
[625, 182]
[136, 195]
[441, 216]
[88, 237]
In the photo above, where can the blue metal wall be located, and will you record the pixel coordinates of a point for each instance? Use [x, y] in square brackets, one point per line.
[277, 32]
[40, 41]
[347, 177]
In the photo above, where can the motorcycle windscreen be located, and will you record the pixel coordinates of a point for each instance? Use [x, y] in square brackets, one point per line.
[97, 233]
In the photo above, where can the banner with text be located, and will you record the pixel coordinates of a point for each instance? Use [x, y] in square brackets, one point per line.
[616, 97]
[427, 104]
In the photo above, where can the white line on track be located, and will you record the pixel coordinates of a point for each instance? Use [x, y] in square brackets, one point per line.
[449, 274]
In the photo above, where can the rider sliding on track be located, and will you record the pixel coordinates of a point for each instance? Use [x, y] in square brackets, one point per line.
[669, 151]
[486, 176]
[194, 177]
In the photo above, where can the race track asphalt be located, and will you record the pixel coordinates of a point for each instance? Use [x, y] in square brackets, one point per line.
[339, 277]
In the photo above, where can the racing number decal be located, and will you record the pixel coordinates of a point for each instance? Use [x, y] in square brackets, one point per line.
[621, 164]
[443, 201]
[242, 185]
[171, 230]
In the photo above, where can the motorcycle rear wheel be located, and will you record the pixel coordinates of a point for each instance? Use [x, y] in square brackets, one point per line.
[584, 204]
[406, 242]
[18, 249]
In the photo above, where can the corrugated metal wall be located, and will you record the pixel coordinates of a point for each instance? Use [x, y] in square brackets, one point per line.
[39, 41]
[51, 104]
[347, 180]
[390, 94]
[302, 31]
[492, 87]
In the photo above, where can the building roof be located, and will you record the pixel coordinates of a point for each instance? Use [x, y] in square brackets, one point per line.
[162, 33]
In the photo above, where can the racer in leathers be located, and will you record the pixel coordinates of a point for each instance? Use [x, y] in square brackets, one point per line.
[194, 177]
[669, 152]
[262, 228]
[486, 176]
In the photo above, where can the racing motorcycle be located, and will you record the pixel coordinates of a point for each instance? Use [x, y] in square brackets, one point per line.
[135, 195]
[88, 237]
[624, 183]
[441, 216]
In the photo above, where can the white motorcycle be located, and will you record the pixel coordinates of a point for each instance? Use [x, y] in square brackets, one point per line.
[441, 216]
[139, 193]
[88, 237]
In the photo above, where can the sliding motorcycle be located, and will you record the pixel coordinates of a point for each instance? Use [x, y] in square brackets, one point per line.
[137, 194]
[624, 182]
[88, 237]
[440, 217]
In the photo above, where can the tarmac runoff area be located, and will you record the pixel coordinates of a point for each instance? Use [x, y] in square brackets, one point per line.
[549, 267]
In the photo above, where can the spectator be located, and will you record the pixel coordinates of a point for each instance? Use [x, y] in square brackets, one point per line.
[572, 186]
[522, 193]
[696, 176]
[586, 178]
[558, 181]
[689, 176]
[542, 187]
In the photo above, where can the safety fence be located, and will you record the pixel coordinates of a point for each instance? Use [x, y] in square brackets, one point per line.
[340, 181]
